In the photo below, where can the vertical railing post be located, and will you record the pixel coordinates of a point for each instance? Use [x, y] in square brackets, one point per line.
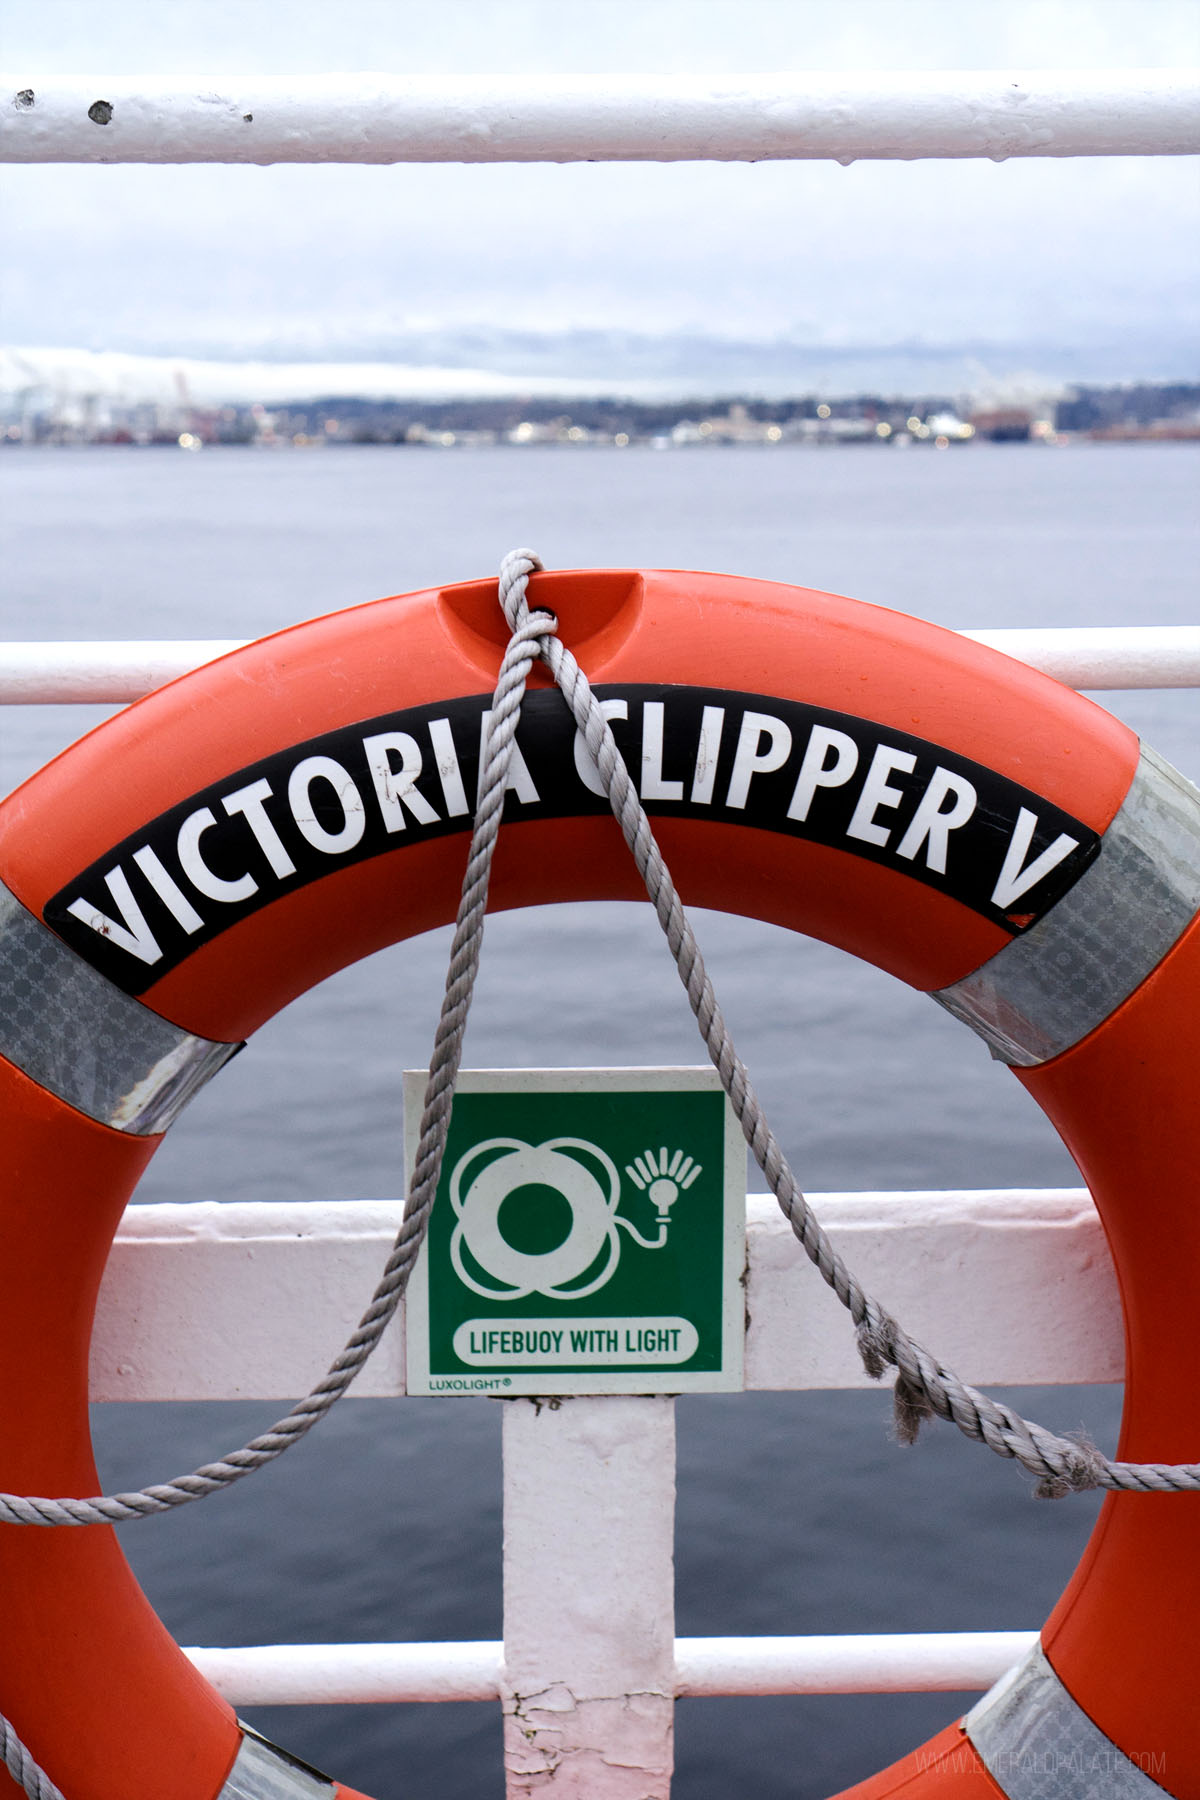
[589, 1603]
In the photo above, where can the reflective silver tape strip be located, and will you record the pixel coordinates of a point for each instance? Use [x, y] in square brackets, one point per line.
[1037, 1744]
[69, 1029]
[1047, 990]
[263, 1772]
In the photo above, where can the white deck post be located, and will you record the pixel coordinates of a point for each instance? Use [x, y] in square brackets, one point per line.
[589, 1602]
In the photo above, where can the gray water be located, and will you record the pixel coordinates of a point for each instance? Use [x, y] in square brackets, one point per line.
[796, 1512]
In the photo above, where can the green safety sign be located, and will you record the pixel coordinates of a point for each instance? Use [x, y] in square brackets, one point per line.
[588, 1236]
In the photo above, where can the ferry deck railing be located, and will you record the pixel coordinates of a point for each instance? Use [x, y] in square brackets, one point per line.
[223, 1300]
[220, 1300]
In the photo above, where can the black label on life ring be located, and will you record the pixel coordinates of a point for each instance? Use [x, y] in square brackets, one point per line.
[385, 783]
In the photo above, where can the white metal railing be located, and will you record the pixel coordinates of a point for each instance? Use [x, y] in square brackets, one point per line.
[1095, 657]
[382, 118]
[705, 1668]
[210, 1300]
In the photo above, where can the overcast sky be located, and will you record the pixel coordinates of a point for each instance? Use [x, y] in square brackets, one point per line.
[363, 261]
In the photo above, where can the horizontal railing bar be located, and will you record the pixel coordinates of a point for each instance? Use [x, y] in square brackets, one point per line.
[114, 672]
[899, 1663]
[351, 1674]
[705, 1668]
[108, 673]
[384, 118]
[1105, 656]
[214, 1300]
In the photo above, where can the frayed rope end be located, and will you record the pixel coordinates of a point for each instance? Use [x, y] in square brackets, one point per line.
[1083, 1472]
[874, 1338]
[911, 1407]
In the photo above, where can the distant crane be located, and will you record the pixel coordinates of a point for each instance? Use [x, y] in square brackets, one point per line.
[186, 409]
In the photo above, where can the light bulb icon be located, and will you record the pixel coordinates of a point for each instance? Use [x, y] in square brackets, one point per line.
[663, 1176]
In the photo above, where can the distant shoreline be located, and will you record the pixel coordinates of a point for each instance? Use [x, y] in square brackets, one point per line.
[1167, 412]
[1059, 440]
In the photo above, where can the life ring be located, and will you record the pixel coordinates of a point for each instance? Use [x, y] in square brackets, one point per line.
[981, 832]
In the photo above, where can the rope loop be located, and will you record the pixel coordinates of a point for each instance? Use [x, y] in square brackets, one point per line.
[515, 571]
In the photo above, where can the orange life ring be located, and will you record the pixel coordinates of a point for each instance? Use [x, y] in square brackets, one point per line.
[921, 801]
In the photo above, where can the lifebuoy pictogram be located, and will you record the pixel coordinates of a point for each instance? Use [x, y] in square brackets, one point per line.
[969, 825]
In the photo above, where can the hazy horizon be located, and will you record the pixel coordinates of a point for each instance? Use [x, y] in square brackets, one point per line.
[638, 367]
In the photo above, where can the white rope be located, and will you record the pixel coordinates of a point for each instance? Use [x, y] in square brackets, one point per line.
[21, 1766]
[923, 1388]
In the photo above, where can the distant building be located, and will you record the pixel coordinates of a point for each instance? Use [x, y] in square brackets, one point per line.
[1004, 424]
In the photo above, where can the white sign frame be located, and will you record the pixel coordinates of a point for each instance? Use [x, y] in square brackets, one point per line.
[497, 1370]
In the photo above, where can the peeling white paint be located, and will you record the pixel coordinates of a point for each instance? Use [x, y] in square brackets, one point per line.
[589, 1602]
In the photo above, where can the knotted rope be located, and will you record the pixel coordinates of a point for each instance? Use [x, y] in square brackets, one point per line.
[923, 1389]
